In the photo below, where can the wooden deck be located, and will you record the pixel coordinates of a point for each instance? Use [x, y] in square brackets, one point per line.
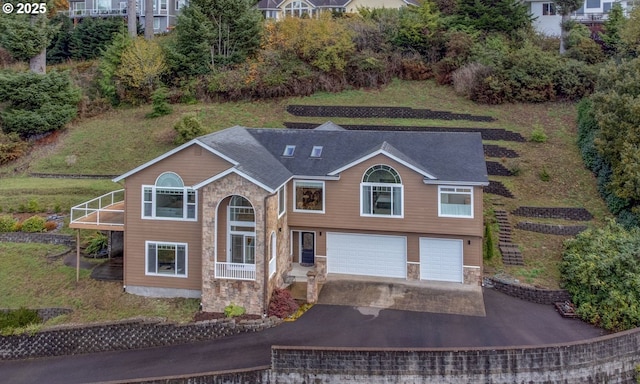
[109, 218]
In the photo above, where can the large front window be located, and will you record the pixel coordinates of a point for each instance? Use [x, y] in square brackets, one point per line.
[166, 259]
[169, 199]
[382, 191]
[242, 231]
[298, 9]
[309, 196]
[455, 201]
[548, 9]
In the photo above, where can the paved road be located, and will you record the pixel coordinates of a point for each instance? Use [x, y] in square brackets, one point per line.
[509, 322]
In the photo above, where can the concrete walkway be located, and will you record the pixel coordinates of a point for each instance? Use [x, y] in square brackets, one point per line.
[375, 294]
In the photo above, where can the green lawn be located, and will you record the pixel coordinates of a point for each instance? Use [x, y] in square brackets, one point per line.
[28, 279]
[121, 140]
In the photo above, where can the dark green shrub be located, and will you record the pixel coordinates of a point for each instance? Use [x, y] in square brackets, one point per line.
[17, 319]
[188, 128]
[489, 249]
[601, 270]
[34, 224]
[574, 80]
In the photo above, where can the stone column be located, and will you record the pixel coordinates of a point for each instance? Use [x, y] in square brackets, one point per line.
[312, 287]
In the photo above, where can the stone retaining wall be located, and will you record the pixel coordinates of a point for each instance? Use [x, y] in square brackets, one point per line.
[608, 359]
[567, 213]
[551, 229]
[532, 294]
[377, 112]
[134, 334]
[44, 238]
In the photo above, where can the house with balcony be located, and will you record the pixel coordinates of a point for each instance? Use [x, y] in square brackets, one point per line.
[592, 13]
[278, 9]
[165, 12]
[227, 216]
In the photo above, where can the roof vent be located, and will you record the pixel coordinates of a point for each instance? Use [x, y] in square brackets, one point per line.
[316, 151]
[289, 150]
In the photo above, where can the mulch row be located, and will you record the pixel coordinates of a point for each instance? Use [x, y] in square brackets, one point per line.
[495, 168]
[487, 133]
[380, 112]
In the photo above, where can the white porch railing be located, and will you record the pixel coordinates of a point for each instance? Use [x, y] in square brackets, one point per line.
[236, 271]
[97, 211]
[94, 12]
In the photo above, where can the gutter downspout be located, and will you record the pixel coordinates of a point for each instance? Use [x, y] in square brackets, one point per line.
[265, 265]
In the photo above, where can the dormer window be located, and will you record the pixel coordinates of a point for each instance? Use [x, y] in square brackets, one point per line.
[316, 151]
[289, 150]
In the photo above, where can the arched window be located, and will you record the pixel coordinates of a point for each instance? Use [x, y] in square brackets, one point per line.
[381, 192]
[242, 231]
[298, 9]
[168, 198]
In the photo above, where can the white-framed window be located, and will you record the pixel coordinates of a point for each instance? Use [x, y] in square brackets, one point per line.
[156, 21]
[166, 259]
[163, 6]
[272, 258]
[298, 9]
[282, 201]
[309, 196]
[179, 4]
[169, 199]
[289, 150]
[316, 151]
[381, 192]
[242, 231]
[548, 9]
[455, 201]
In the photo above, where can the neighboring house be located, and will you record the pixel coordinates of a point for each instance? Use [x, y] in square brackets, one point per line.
[226, 216]
[278, 9]
[593, 13]
[164, 11]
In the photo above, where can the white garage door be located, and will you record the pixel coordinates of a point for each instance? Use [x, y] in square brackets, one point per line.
[369, 255]
[441, 259]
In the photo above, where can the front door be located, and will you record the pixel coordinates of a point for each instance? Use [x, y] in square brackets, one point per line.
[307, 248]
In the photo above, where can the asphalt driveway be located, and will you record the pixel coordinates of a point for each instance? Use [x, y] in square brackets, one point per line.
[508, 322]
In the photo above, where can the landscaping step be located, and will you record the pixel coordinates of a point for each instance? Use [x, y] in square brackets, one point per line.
[492, 150]
[510, 252]
[551, 229]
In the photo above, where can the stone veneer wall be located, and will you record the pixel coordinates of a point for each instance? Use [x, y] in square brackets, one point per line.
[123, 335]
[218, 293]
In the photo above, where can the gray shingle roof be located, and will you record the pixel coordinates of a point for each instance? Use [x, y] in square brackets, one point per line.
[445, 156]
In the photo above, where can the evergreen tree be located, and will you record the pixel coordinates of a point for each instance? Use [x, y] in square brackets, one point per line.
[566, 8]
[211, 33]
[504, 16]
[37, 103]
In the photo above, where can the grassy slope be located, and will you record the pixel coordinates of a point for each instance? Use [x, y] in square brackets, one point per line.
[121, 140]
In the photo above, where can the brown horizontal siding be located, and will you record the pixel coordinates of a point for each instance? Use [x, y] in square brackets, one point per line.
[342, 206]
[193, 165]
[472, 245]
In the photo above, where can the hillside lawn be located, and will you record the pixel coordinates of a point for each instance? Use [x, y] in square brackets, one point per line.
[122, 139]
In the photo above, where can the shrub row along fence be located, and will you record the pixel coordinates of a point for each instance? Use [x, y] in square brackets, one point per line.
[122, 336]
[487, 133]
[567, 213]
[380, 112]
